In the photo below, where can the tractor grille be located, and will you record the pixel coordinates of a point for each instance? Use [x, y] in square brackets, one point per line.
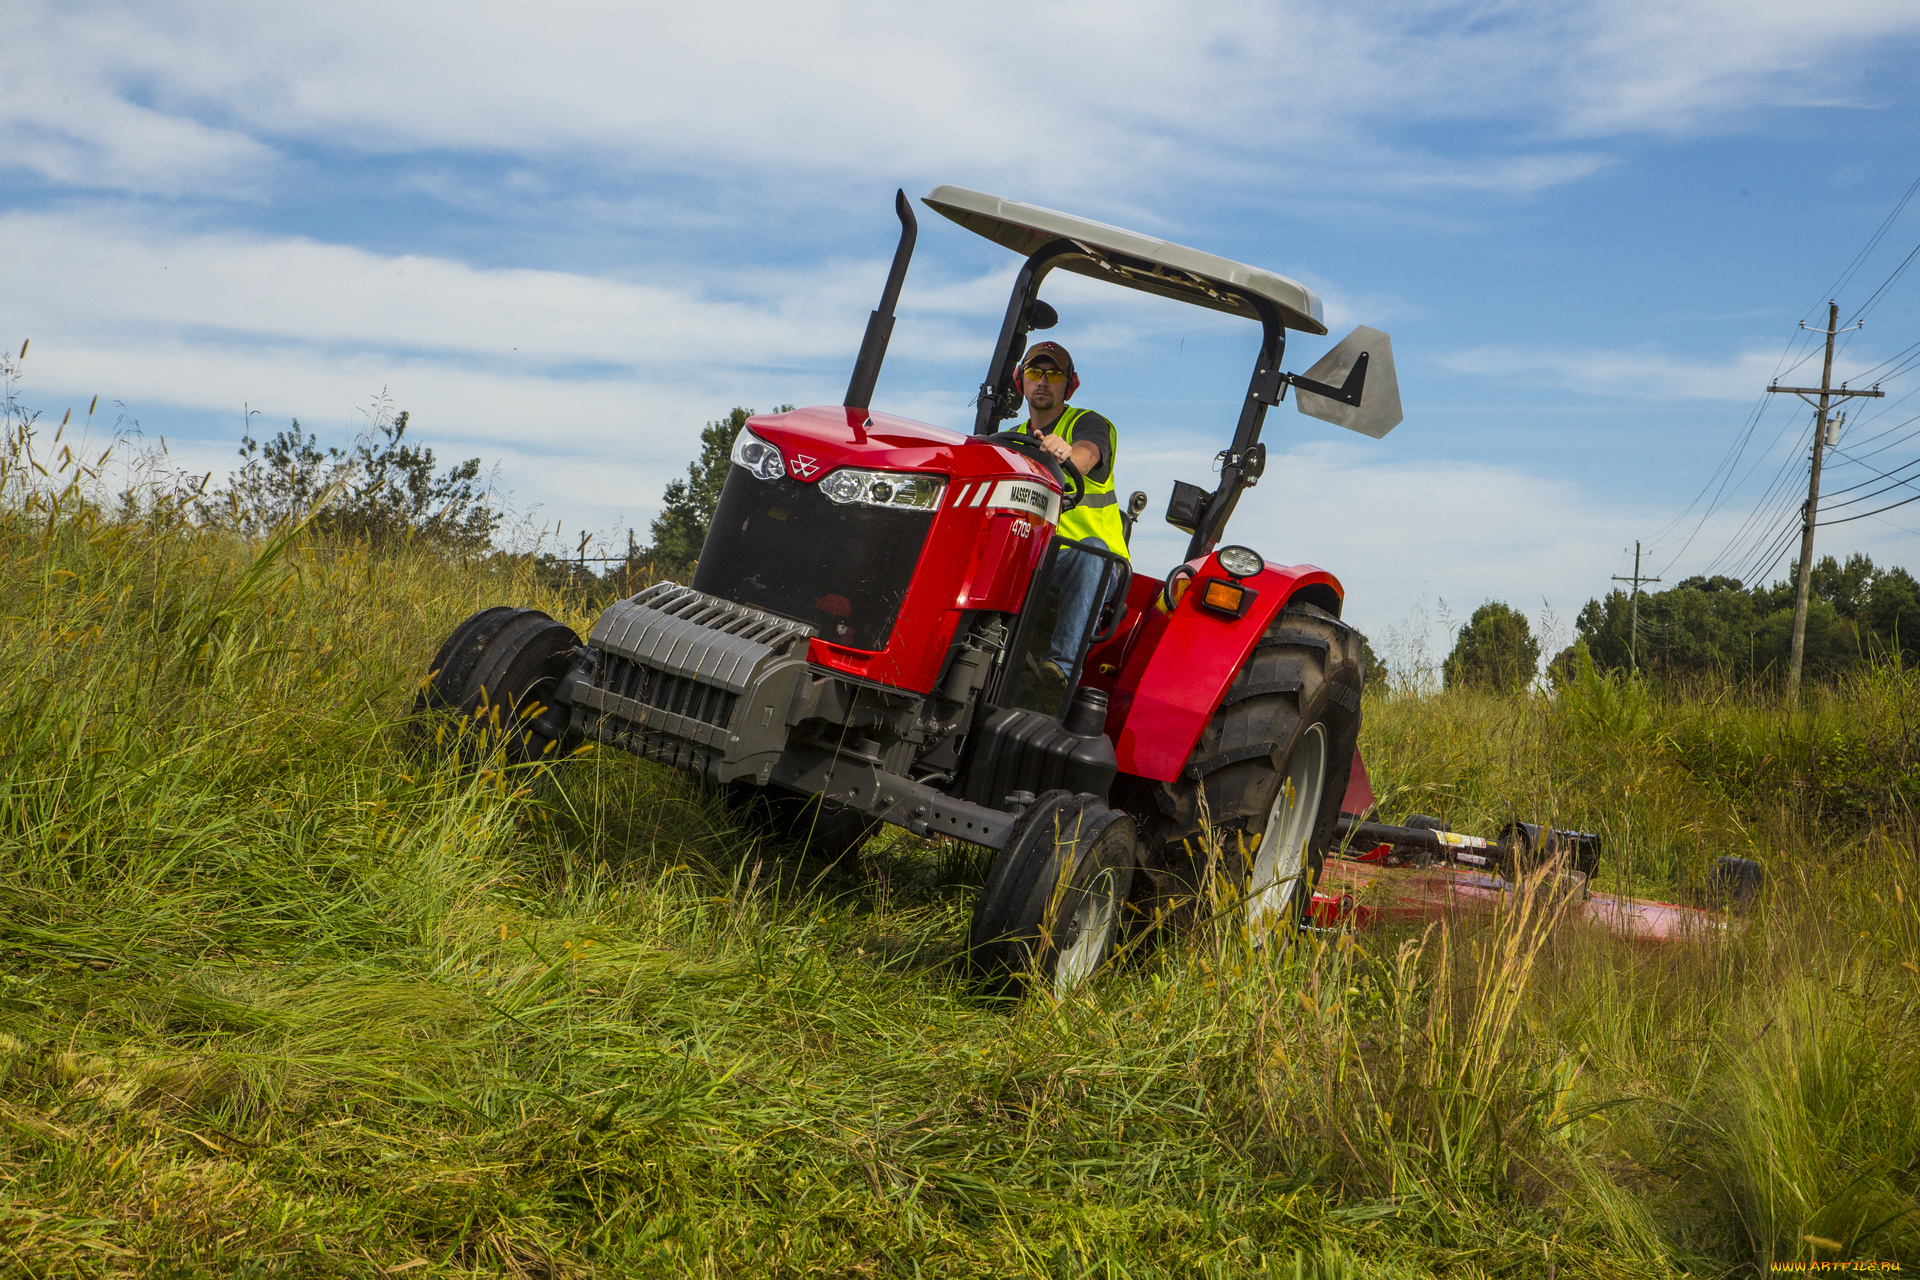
[664, 691]
[780, 545]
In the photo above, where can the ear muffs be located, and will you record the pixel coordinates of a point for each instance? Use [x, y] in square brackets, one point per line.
[1073, 385]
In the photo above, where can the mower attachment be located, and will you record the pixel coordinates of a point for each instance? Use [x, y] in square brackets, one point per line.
[1519, 847]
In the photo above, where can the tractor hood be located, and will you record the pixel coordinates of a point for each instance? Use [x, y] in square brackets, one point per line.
[816, 441]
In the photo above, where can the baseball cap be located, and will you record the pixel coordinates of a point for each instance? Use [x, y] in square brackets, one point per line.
[1053, 351]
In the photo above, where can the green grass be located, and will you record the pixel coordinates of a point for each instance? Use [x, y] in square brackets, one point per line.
[285, 991]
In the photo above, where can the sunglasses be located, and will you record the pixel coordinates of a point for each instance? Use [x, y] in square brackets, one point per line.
[1055, 376]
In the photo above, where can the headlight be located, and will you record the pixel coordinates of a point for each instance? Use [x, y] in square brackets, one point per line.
[757, 456]
[1241, 562]
[900, 490]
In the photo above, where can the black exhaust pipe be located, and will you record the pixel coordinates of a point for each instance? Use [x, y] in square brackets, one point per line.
[873, 347]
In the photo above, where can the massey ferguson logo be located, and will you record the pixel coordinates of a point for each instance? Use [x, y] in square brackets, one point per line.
[804, 467]
[1029, 498]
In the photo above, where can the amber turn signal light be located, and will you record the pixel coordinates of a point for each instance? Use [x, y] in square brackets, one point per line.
[1225, 596]
[1229, 598]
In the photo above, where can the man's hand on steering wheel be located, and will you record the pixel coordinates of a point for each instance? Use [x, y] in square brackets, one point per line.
[1062, 469]
[1070, 500]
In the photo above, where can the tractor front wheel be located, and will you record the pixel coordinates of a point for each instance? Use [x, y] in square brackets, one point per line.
[1050, 910]
[826, 830]
[500, 670]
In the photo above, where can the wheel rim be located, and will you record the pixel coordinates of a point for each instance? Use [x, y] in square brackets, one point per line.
[1092, 927]
[1279, 868]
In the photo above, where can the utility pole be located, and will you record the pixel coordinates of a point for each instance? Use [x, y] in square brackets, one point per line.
[1633, 632]
[1810, 513]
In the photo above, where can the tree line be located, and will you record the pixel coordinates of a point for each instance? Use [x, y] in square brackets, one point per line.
[1857, 612]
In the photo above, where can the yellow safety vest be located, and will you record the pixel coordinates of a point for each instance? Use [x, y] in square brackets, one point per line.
[1098, 515]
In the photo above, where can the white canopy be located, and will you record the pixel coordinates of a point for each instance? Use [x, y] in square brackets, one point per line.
[1129, 258]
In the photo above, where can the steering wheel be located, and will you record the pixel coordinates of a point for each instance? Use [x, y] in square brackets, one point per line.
[1062, 469]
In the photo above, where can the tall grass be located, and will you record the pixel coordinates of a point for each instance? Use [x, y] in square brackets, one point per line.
[285, 989]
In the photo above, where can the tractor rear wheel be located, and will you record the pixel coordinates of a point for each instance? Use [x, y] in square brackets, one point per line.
[500, 670]
[1050, 910]
[1267, 776]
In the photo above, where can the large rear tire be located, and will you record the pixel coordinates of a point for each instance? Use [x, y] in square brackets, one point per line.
[1051, 908]
[1264, 783]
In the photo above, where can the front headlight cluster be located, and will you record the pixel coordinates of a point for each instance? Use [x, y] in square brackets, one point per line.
[757, 456]
[896, 489]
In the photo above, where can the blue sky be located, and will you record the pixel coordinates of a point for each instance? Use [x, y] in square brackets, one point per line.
[565, 238]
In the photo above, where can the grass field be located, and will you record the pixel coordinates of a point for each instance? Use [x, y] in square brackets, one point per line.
[283, 991]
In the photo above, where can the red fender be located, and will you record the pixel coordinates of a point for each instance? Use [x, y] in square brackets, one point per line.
[1166, 673]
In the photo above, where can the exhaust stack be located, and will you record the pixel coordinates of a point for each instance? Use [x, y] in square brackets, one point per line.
[873, 347]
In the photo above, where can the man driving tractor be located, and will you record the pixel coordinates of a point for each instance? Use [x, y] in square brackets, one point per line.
[1088, 440]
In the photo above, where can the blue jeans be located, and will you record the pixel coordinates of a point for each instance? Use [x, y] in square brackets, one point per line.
[1076, 576]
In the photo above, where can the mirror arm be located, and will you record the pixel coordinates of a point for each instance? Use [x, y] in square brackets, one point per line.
[1348, 393]
[1244, 459]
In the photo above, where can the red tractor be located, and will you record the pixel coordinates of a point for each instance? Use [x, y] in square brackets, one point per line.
[858, 644]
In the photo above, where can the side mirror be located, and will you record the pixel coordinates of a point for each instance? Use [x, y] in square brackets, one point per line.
[1187, 506]
[1041, 316]
[1369, 402]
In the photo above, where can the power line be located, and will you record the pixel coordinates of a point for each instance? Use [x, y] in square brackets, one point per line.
[1873, 242]
[1763, 517]
[1715, 505]
[1864, 514]
[1763, 566]
[1721, 479]
[1877, 475]
[1868, 305]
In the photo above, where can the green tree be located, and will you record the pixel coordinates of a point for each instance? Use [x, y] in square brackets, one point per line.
[686, 509]
[393, 494]
[384, 490]
[1893, 612]
[1495, 650]
[1845, 587]
[1855, 612]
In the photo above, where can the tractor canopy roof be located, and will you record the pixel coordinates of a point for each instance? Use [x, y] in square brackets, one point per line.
[1131, 259]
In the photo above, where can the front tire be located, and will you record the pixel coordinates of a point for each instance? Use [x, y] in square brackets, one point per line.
[1050, 910]
[821, 828]
[1285, 866]
[500, 671]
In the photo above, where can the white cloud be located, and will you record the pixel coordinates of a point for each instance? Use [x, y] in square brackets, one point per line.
[1271, 92]
[588, 391]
